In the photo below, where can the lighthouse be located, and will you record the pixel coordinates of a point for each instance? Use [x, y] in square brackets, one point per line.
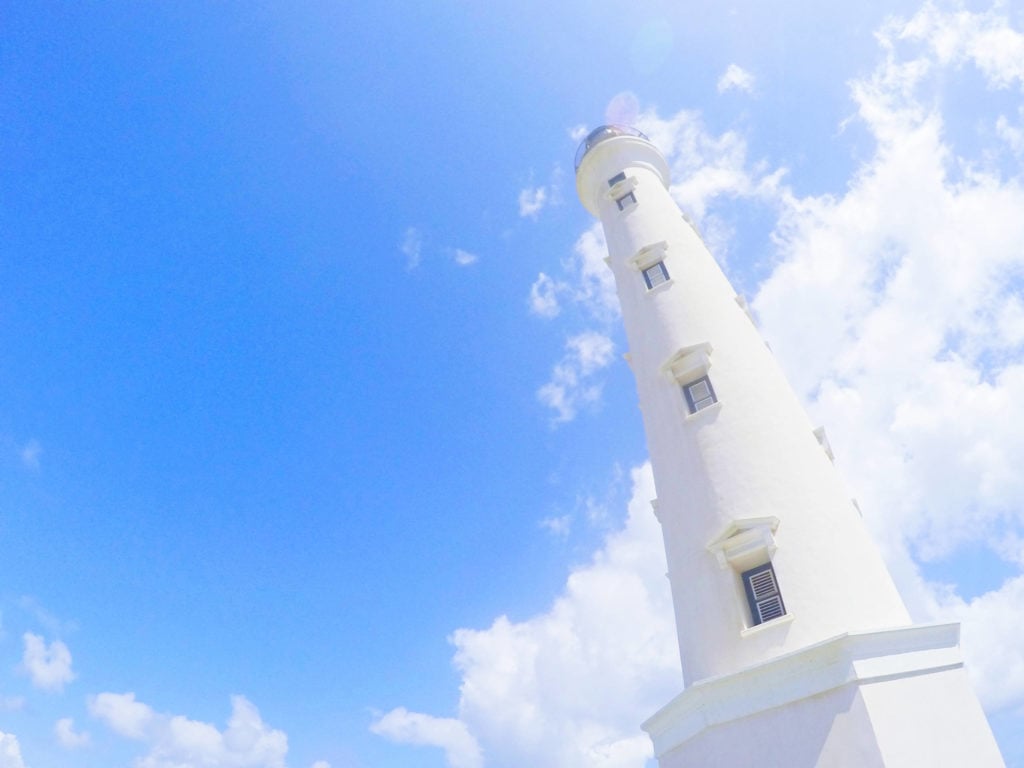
[795, 645]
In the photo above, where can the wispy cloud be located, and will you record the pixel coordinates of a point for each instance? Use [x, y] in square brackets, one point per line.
[532, 201]
[590, 286]
[464, 258]
[412, 248]
[53, 624]
[578, 133]
[11, 703]
[557, 526]
[544, 296]
[48, 666]
[571, 385]
[735, 78]
[30, 454]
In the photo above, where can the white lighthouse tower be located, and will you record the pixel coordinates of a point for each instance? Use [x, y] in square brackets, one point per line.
[796, 647]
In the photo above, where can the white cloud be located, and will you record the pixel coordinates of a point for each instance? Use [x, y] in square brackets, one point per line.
[10, 751]
[412, 248]
[460, 748]
[48, 620]
[568, 687]
[321, 764]
[67, 736]
[735, 78]
[544, 296]
[590, 286]
[986, 40]
[464, 258]
[532, 201]
[48, 666]
[592, 351]
[706, 168]
[122, 714]
[176, 741]
[996, 666]
[571, 385]
[592, 281]
[1013, 135]
[30, 454]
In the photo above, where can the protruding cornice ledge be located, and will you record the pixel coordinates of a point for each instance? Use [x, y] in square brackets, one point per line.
[856, 657]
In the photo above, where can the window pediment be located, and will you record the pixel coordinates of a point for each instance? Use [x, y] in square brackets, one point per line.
[745, 543]
[649, 255]
[689, 363]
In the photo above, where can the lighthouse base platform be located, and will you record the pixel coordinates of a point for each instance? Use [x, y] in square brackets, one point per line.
[897, 698]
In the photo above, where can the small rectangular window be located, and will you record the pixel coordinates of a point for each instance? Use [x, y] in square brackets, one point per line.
[763, 594]
[627, 199]
[656, 274]
[699, 394]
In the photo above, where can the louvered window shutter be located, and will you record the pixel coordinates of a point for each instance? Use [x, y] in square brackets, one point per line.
[656, 274]
[699, 394]
[763, 594]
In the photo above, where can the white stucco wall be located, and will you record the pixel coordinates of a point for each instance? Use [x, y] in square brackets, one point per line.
[754, 455]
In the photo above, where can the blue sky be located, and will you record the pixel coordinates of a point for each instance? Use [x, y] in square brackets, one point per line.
[312, 392]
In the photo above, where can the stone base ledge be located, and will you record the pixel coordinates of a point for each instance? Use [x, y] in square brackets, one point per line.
[854, 657]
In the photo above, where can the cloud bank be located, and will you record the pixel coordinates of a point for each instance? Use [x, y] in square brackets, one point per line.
[175, 741]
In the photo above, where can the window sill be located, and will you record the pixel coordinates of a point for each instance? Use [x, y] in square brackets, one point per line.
[767, 625]
[660, 287]
[704, 412]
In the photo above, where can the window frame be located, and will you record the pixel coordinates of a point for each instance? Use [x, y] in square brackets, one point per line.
[662, 269]
[757, 597]
[695, 404]
[628, 199]
[621, 189]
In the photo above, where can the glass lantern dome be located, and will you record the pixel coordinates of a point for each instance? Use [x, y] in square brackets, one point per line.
[603, 133]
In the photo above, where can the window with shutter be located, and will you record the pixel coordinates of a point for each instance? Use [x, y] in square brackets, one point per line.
[699, 394]
[763, 594]
[628, 198]
[656, 274]
[625, 200]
